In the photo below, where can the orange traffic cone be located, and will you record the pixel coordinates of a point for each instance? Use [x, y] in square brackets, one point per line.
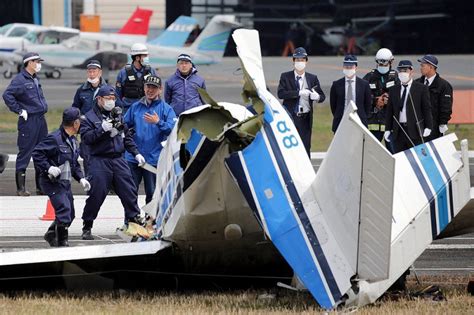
[49, 214]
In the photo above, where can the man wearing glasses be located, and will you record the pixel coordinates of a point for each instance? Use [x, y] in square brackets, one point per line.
[380, 79]
[25, 97]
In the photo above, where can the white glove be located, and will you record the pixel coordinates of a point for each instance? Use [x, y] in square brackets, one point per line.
[24, 114]
[54, 171]
[85, 184]
[314, 96]
[106, 125]
[140, 159]
[304, 92]
[443, 128]
[386, 135]
[426, 132]
[113, 132]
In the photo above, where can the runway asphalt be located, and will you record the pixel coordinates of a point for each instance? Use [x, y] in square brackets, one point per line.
[224, 83]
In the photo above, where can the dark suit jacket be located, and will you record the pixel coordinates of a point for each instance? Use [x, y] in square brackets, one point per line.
[289, 93]
[421, 105]
[441, 99]
[338, 100]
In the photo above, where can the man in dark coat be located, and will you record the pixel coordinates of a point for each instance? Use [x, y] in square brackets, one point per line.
[347, 89]
[408, 119]
[441, 95]
[299, 90]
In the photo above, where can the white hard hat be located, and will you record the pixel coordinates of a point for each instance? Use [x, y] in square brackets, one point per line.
[138, 49]
[384, 55]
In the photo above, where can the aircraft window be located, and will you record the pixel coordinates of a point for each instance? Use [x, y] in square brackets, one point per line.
[18, 31]
[5, 28]
[51, 37]
[65, 35]
[31, 36]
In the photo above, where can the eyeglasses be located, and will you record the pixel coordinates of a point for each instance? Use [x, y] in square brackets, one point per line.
[382, 62]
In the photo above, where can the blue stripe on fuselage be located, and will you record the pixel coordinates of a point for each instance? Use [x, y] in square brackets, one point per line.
[436, 181]
[426, 190]
[303, 216]
[279, 218]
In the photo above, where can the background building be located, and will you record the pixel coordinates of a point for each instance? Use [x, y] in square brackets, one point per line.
[325, 27]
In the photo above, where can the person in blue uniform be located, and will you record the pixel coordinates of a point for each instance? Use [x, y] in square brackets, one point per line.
[85, 94]
[85, 97]
[56, 158]
[25, 97]
[181, 88]
[299, 90]
[152, 119]
[107, 136]
[347, 89]
[130, 80]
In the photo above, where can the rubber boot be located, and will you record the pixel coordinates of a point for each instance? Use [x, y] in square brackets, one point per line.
[87, 231]
[20, 184]
[62, 235]
[39, 191]
[50, 235]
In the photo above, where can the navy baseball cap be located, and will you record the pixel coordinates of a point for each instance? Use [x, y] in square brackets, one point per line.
[153, 80]
[350, 60]
[185, 57]
[71, 114]
[31, 56]
[403, 64]
[94, 64]
[300, 52]
[430, 59]
[106, 90]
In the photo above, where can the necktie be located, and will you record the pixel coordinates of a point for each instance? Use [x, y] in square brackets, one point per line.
[427, 82]
[404, 96]
[298, 78]
[350, 96]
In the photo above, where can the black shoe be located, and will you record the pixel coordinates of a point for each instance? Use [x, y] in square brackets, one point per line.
[20, 178]
[62, 234]
[50, 235]
[39, 192]
[87, 235]
[138, 220]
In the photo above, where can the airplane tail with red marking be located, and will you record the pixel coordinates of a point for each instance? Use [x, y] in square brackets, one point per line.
[138, 23]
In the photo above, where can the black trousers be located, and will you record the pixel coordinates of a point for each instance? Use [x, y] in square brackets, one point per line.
[402, 142]
[303, 125]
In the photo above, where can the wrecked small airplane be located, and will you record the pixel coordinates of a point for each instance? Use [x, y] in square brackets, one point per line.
[234, 183]
[348, 232]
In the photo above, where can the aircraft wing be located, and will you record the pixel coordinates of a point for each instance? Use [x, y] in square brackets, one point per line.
[81, 252]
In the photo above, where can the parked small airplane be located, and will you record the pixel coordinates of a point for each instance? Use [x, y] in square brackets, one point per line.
[13, 48]
[18, 29]
[114, 52]
[234, 183]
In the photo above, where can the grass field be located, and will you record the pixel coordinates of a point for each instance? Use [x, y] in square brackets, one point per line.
[322, 134]
[231, 302]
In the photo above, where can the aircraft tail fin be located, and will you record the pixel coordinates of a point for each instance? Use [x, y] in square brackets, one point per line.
[177, 33]
[213, 39]
[138, 23]
[359, 171]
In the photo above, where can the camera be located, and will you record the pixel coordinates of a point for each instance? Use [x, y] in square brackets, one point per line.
[116, 118]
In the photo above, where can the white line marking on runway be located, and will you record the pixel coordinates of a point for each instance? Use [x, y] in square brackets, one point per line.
[451, 246]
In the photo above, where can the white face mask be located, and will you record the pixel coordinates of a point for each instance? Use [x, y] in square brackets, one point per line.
[38, 67]
[93, 81]
[404, 77]
[383, 69]
[349, 72]
[300, 65]
[145, 61]
[109, 105]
